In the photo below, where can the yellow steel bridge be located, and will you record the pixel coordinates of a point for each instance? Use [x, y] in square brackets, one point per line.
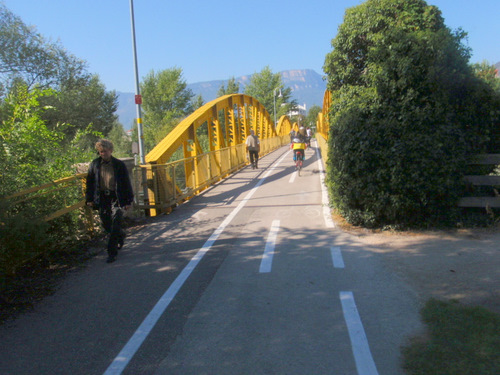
[225, 123]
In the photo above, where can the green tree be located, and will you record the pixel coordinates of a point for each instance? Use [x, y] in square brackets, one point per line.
[122, 143]
[24, 53]
[82, 101]
[266, 88]
[27, 56]
[166, 100]
[28, 59]
[406, 113]
[197, 102]
[30, 152]
[312, 115]
[488, 73]
[233, 87]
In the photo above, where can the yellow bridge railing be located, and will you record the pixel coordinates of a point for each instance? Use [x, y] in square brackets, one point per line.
[322, 126]
[224, 124]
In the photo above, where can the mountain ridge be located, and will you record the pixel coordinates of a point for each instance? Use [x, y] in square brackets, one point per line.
[308, 87]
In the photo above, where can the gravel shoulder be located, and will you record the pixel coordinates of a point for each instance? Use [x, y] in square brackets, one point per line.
[462, 265]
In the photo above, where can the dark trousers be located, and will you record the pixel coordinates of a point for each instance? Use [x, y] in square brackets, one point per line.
[254, 155]
[111, 216]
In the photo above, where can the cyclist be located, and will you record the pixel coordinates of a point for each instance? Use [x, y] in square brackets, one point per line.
[298, 146]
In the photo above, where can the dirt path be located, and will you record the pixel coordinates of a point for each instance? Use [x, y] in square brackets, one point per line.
[463, 264]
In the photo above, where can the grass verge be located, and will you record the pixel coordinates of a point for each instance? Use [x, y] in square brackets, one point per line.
[460, 340]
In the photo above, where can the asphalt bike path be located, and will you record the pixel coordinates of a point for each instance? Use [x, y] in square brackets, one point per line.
[250, 277]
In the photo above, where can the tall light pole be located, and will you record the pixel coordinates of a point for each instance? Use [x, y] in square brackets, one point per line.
[279, 96]
[138, 102]
[138, 98]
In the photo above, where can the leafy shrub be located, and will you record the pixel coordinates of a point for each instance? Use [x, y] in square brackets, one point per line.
[407, 113]
[22, 237]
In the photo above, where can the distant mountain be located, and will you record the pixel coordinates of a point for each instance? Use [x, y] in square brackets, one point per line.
[308, 87]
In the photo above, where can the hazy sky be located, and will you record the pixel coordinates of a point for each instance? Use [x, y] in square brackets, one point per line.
[220, 39]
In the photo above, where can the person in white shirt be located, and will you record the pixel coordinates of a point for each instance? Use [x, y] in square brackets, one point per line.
[253, 148]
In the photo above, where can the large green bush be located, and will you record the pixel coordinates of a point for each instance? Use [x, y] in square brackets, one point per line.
[407, 112]
[22, 237]
[31, 155]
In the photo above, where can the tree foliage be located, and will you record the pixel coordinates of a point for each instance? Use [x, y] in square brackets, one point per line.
[266, 87]
[30, 152]
[122, 143]
[406, 113]
[24, 54]
[82, 101]
[233, 87]
[50, 111]
[166, 100]
[312, 115]
[488, 73]
[29, 60]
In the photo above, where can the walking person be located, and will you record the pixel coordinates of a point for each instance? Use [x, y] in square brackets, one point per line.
[109, 190]
[253, 148]
[308, 136]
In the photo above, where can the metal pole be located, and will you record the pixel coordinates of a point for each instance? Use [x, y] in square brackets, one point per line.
[279, 96]
[138, 99]
[138, 102]
[274, 96]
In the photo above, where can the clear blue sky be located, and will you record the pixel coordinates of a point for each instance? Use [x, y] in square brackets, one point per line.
[220, 39]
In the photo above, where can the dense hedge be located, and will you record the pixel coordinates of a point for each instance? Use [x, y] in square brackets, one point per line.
[407, 112]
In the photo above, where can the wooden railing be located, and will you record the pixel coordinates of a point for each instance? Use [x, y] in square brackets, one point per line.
[76, 181]
[492, 181]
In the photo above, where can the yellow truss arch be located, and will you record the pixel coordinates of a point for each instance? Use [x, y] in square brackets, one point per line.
[228, 119]
[223, 124]
[322, 124]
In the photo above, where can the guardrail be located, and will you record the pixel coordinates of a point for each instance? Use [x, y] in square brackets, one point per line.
[169, 184]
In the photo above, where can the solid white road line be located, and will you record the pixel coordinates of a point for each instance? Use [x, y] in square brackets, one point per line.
[338, 262]
[121, 361]
[324, 192]
[359, 342]
[267, 257]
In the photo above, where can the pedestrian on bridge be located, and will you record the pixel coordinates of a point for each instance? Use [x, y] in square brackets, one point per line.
[253, 148]
[109, 190]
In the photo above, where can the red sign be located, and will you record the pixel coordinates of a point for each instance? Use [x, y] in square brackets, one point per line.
[138, 99]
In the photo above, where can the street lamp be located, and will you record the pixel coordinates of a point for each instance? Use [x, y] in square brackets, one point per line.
[274, 96]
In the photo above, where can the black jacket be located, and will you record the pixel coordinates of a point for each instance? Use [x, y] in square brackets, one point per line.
[123, 185]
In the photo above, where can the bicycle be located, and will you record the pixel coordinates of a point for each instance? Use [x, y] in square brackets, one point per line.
[299, 157]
